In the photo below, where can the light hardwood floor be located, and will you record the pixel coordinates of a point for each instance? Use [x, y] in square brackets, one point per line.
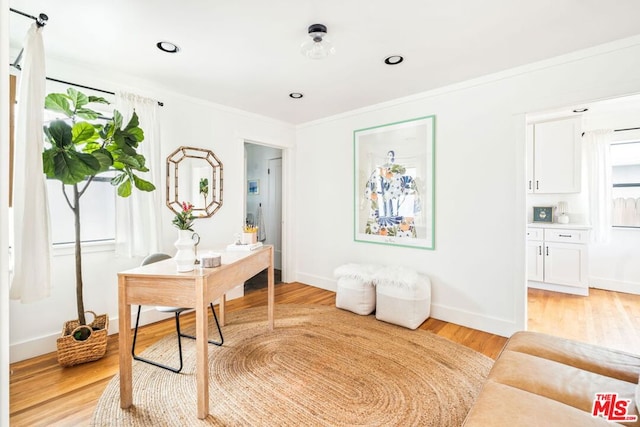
[44, 394]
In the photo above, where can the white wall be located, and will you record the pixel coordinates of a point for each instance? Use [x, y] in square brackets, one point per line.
[184, 121]
[478, 265]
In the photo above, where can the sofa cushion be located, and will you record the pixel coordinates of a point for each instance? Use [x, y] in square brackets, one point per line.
[540, 380]
[500, 405]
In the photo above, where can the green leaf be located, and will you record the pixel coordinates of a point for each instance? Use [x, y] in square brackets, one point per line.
[124, 190]
[78, 98]
[60, 134]
[58, 102]
[90, 147]
[104, 158]
[48, 166]
[87, 113]
[117, 119]
[83, 132]
[143, 185]
[133, 122]
[98, 100]
[127, 160]
[72, 167]
[117, 180]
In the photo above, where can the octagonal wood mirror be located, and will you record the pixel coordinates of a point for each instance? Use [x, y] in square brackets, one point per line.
[194, 175]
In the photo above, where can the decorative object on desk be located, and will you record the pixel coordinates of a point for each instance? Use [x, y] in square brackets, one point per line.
[394, 174]
[185, 257]
[79, 148]
[249, 235]
[191, 174]
[244, 247]
[253, 186]
[210, 260]
[542, 214]
[563, 218]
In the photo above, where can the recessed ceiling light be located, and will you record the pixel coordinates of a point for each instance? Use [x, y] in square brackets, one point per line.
[580, 110]
[393, 60]
[167, 47]
[296, 95]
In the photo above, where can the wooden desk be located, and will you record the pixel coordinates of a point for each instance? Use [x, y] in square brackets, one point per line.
[160, 284]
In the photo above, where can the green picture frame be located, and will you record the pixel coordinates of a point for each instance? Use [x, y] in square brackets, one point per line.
[394, 183]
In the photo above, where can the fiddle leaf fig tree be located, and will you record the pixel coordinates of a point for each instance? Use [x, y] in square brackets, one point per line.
[80, 147]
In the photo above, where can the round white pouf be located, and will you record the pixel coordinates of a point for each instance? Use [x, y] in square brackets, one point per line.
[355, 291]
[403, 296]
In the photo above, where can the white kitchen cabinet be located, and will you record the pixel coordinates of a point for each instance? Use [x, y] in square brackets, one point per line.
[554, 156]
[557, 259]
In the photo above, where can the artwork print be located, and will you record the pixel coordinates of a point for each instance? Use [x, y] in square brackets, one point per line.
[394, 183]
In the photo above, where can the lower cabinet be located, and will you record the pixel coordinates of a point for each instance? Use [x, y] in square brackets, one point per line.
[557, 259]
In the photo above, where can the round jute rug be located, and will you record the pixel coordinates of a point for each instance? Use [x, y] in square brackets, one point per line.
[321, 366]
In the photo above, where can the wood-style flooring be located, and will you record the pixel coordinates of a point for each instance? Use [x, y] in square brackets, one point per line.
[44, 394]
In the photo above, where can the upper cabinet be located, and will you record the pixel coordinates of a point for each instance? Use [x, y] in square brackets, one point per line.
[554, 156]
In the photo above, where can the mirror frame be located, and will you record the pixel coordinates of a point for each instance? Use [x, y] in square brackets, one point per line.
[174, 201]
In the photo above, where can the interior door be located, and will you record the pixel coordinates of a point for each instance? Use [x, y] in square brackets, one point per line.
[274, 210]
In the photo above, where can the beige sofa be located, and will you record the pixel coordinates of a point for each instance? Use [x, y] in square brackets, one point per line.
[540, 380]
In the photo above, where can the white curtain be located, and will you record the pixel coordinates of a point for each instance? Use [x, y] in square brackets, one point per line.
[598, 166]
[31, 237]
[138, 231]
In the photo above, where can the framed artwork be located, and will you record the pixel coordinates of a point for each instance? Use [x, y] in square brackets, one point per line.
[253, 186]
[543, 214]
[394, 191]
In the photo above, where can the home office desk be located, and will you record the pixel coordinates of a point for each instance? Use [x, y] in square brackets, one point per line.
[160, 284]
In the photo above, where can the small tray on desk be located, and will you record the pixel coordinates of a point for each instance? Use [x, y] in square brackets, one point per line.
[241, 247]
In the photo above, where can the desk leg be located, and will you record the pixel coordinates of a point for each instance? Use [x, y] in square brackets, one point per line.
[124, 346]
[271, 292]
[221, 302]
[202, 351]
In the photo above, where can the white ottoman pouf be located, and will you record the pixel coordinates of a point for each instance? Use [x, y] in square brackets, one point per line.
[403, 296]
[355, 288]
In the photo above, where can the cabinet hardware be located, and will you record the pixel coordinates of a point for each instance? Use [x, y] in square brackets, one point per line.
[564, 235]
[530, 185]
[547, 250]
[537, 186]
[540, 250]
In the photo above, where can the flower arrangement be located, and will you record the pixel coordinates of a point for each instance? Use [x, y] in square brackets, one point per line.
[184, 219]
[250, 229]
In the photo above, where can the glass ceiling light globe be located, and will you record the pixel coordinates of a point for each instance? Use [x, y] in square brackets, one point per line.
[319, 46]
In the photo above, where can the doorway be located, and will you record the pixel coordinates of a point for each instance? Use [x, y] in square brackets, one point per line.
[613, 274]
[263, 206]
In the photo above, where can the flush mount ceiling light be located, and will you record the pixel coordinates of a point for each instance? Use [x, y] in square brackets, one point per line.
[167, 47]
[319, 46]
[393, 59]
[296, 95]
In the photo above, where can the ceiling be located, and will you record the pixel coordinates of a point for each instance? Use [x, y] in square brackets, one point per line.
[246, 53]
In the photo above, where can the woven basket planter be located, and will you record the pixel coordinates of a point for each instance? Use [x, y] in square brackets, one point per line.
[74, 352]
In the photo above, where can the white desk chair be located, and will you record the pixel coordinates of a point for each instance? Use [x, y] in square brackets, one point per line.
[177, 310]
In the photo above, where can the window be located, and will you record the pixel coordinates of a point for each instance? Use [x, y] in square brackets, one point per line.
[625, 162]
[97, 206]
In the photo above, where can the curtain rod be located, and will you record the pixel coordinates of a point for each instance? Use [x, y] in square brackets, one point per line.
[620, 130]
[161, 104]
[41, 21]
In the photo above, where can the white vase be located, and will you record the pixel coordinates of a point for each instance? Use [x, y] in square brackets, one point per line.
[185, 256]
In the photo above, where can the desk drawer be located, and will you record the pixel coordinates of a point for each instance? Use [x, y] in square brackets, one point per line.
[534, 233]
[566, 235]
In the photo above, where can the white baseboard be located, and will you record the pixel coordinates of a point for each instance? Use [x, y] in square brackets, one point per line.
[47, 343]
[575, 290]
[494, 325]
[614, 285]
